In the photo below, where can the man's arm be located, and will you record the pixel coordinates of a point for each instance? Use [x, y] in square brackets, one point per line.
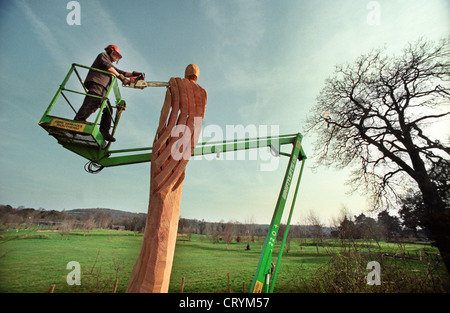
[113, 70]
[121, 76]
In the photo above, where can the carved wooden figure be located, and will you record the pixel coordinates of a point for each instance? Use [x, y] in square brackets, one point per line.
[175, 140]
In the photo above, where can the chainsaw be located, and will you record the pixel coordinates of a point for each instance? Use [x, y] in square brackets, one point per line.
[138, 82]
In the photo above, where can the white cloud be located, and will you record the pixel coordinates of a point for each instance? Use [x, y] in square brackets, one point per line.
[112, 33]
[45, 35]
[239, 30]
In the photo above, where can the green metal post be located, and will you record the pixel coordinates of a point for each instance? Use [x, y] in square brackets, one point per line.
[272, 285]
[58, 93]
[262, 276]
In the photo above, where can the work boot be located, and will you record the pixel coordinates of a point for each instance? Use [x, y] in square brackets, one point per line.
[108, 137]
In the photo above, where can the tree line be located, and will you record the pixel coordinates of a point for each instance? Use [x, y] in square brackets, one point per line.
[73, 219]
[383, 227]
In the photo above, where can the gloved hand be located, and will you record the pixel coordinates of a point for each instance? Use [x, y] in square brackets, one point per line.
[124, 80]
[136, 73]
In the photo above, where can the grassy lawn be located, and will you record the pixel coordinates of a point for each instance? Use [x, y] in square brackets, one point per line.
[32, 261]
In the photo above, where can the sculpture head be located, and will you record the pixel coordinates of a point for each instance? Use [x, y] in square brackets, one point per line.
[192, 72]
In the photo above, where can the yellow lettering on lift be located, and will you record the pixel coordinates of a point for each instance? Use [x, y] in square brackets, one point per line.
[258, 287]
[77, 127]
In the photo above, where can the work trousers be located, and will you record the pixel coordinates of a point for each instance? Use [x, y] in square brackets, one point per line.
[91, 104]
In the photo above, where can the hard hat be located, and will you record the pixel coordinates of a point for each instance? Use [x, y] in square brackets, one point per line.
[113, 48]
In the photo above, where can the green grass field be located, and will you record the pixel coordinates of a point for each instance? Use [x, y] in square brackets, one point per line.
[31, 261]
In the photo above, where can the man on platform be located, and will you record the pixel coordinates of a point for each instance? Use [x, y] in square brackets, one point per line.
[98, 83]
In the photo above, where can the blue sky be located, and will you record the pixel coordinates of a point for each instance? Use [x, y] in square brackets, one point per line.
[263, 63]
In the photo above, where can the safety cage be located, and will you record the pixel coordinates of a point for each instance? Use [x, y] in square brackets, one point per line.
[83, 138]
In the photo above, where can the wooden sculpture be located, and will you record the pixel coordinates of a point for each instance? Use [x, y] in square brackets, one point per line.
[175, 140]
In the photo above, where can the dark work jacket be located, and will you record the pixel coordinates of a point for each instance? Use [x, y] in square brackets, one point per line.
[102, 62]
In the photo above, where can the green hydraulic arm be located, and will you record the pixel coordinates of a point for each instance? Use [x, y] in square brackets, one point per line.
[261, 281]
[275, 272]
[141, 155]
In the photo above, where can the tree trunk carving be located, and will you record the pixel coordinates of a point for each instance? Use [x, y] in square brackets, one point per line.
[179, 127]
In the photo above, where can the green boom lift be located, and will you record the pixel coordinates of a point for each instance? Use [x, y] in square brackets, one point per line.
[86, 140]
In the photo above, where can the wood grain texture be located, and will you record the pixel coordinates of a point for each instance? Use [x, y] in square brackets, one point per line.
[177, 134]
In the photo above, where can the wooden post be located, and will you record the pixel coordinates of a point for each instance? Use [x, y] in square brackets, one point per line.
[52, 288]
[182, 284]
[115, 285]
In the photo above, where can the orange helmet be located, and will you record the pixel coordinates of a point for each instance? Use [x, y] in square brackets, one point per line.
[110, 48]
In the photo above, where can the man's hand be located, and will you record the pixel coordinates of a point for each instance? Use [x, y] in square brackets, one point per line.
[123, 79]
[119, 76]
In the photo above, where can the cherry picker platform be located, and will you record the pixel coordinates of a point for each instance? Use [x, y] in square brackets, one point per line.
[83, 138]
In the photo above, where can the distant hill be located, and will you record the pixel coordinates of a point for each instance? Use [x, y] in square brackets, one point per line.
[116, 215]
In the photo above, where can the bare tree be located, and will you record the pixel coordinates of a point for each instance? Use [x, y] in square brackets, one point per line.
[229, 232]
[373, 115]
[183, 225]
[89, 224]
[103, 220]
[250, 228]
[316, 230]
[65, 227]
